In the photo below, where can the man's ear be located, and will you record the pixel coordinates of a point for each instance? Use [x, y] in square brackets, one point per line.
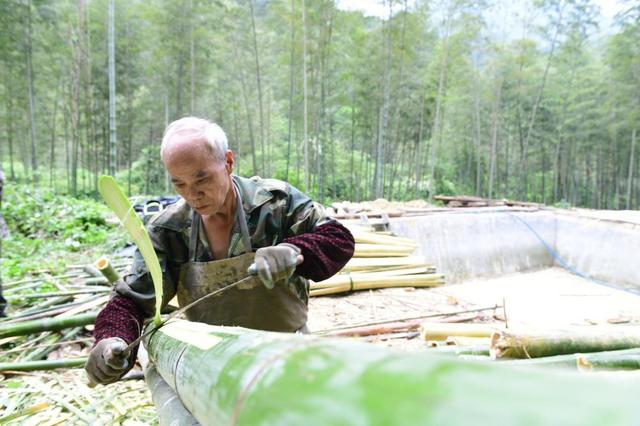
[229, 161]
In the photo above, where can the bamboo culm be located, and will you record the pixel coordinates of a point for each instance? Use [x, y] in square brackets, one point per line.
[46, 324]
[43, 365]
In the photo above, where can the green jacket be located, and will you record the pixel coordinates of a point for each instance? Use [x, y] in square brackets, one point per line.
[274, 210]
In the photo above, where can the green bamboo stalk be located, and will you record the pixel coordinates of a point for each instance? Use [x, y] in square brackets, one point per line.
[58, 343]
[536, 344]
[627, 359]
[43, 365]
[107, 270]
[96, 281]
[168, 406]
[46, 324]
[230, 375]
[54, 310]
[59, 293]
[53, 342]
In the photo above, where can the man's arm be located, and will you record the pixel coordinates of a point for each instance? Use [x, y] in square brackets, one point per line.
[325, 244]
[121, 320]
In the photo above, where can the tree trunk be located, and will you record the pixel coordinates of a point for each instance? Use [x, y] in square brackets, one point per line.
[525, 152]
[304, 99]
[630, 172]
[435, 132]
[52, 152]
[252, 140]
[259, 82]
[383, 119]
[32, 96]
[494, 137]
[192, 62]
[113, 147]
[291, 87]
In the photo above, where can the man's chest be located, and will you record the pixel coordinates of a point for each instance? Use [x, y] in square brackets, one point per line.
[218, 237]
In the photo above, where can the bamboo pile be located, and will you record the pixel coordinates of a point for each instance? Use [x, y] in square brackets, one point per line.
[44, 344]
[381, 260]
[50, 312]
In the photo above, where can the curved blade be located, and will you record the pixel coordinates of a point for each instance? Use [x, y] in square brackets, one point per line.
[116, 200]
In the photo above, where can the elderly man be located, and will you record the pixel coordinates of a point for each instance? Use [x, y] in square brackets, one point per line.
[223, 224]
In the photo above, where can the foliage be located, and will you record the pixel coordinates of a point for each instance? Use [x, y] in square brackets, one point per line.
[44, 227]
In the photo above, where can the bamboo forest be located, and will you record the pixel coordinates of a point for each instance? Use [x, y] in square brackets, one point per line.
[531, 100]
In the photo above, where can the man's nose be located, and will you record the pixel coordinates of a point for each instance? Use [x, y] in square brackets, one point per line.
[194, 193]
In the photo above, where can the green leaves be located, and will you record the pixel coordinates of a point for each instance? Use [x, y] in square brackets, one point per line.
[116, 200]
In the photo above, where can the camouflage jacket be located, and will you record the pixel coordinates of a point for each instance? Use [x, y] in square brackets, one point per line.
[274, 211]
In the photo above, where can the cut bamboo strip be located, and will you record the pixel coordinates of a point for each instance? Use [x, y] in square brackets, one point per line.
[424, 280]
[371, 263]
[353, 279]
[395, 272]
[376, 238]
[376, 250]
[440, 331]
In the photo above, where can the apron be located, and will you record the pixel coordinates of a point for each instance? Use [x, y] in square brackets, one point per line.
[250, 305]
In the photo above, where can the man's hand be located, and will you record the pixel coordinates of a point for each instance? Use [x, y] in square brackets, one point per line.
[275, 263]
[107, 361]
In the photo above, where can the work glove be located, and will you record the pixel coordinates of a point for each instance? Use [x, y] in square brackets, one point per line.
[276, 263]
[107, 361]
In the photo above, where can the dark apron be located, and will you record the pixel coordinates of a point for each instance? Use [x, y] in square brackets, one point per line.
[250, 305]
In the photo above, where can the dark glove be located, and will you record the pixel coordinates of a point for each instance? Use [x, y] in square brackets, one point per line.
[107, 361]
[276, 263]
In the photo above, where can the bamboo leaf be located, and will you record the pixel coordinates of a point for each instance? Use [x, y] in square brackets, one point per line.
[121, 206]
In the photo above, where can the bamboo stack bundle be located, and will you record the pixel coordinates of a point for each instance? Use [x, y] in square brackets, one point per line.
[380, 260]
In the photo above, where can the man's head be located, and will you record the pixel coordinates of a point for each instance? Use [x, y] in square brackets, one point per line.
[196, 156]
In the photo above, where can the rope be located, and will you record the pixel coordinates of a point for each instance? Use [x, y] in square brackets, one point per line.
[568, 267]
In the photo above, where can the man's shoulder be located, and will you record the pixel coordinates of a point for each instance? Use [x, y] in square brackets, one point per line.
[176, 217]
[256, 183]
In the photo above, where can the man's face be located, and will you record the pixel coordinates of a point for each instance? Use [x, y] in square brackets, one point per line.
[202, 180]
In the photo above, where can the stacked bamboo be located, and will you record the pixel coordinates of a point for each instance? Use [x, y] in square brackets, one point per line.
[584, 348]
[381, 260]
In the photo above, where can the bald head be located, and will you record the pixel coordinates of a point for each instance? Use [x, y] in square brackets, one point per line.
[196, 135]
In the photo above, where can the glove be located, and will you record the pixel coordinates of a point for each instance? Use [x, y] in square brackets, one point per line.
[107, 361]
[275, 263]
